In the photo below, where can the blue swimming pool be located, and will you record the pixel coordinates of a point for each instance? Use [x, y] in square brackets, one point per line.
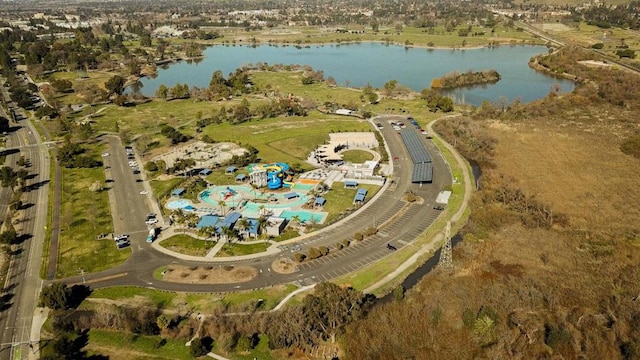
[304, 216]
[178, 204]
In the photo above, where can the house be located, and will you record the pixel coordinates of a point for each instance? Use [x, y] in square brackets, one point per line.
[319, 202]
[205, 172]
[207, 220]
[345, 112]
[231, 170]
[350, 184]
[360, 196]
[241, 177]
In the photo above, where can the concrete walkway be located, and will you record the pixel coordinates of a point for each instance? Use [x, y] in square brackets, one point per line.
[435, 242]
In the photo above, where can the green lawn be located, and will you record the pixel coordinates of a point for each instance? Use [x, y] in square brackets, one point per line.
[238, 249]
[160, 299]
[127, 346]
[286, 235]
[356, 156]
[339, 199]
[83, 215]
[163, 188]
[185, 244]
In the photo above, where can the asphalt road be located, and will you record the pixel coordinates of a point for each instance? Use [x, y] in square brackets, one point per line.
[23, 281]
[399, 224]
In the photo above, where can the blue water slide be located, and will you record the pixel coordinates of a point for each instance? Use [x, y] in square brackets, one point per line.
[274, 180]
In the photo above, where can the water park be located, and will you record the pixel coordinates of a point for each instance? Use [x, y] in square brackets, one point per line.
[271, 192]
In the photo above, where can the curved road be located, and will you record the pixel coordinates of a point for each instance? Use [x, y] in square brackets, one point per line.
[399, 223]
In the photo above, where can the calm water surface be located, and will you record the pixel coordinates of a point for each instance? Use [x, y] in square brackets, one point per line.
[376, 63]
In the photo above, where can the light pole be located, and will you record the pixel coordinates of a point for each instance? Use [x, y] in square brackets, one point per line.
[82, 273]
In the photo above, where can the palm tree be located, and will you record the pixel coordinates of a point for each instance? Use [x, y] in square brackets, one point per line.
[229, 234]
[222, 205]
[243, 224]
[295, 220]
[178, 216]
[263, 224]
[208, 231]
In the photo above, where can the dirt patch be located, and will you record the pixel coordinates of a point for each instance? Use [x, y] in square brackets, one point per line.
[209, 274]
[283, 266]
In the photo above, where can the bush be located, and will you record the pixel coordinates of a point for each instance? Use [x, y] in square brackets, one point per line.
[597, 46]
[339, 246]
[370, 231]
[631, 146]
[314, 253]
[199, 347]
[299, 257]
[323, 250]
[358, 236]
[56, 296]
[398, 293]
[346, 242]
[151, 166]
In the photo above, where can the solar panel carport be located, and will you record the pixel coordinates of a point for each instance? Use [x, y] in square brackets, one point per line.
[422, 166]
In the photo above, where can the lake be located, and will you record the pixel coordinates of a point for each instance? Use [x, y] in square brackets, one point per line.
[377, 63]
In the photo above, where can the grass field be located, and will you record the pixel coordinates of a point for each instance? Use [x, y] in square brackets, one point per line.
[203, 302]
[239, 249]
[408, 35]
[163, 188]
[83, 215]
[185, 244]
[340, 199]
[356, 156]
[121, 345]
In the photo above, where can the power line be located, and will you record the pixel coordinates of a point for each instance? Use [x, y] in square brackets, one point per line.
[446, 258]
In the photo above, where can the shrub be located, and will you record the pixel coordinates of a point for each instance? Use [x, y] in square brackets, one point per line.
[398, 293]
[314, 253]
[371, 230]
[299, 257]
[198, 348]
[358, 236]
[597, 46]
[631, 146]
[339, 246]
[346, 242]
[323, 250]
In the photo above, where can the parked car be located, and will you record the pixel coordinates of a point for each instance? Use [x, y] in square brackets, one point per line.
[151, 221]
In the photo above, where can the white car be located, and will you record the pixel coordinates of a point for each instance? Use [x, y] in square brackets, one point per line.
[144, 192]
[105, 154]
[151, 221]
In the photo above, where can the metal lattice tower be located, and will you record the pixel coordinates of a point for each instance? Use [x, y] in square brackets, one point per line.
[446, 258]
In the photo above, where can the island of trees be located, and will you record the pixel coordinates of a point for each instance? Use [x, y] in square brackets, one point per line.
[456, 79]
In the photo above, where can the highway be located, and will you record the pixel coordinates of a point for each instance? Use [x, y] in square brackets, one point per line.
[23, 282]
[399, 224]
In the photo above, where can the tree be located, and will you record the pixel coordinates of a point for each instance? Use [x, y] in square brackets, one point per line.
[163, 321]
[198, 348]
[8, 177]
[162, 92]
[62, 85]
[390, 86]
[56, 296]
[115, 85]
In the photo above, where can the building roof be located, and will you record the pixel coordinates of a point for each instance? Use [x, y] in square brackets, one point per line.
[415, 146]
[205, 172]
[231, 169]
[254, 226]
[422, 172]
[291, 195]
[241, 177]
[230, 219]
[359, 197]
[177, 192]
[362, 191]
[319, 201]
[350, 183]
[207, 220]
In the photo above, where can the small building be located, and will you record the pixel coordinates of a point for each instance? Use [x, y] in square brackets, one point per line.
[205, 172]
[360, 196]
[275, 226]
[207, 220]
[231, 170]
[320, 201]
[350, 184]
[178, 192]
[290, 195]
[241, 177]
[254, 228]
[229, 220]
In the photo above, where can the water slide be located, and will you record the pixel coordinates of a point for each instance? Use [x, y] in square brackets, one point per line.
[275, 175]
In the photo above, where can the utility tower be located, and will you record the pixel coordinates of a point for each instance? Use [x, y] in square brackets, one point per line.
[446, 259]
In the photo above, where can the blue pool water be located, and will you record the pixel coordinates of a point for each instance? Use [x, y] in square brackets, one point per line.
[178, 204]
[244, 194]
[303, 215]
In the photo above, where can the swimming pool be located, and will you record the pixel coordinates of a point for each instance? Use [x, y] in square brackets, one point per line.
[244, 194]
[178, 204]
[303, 187]
[305, 216]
